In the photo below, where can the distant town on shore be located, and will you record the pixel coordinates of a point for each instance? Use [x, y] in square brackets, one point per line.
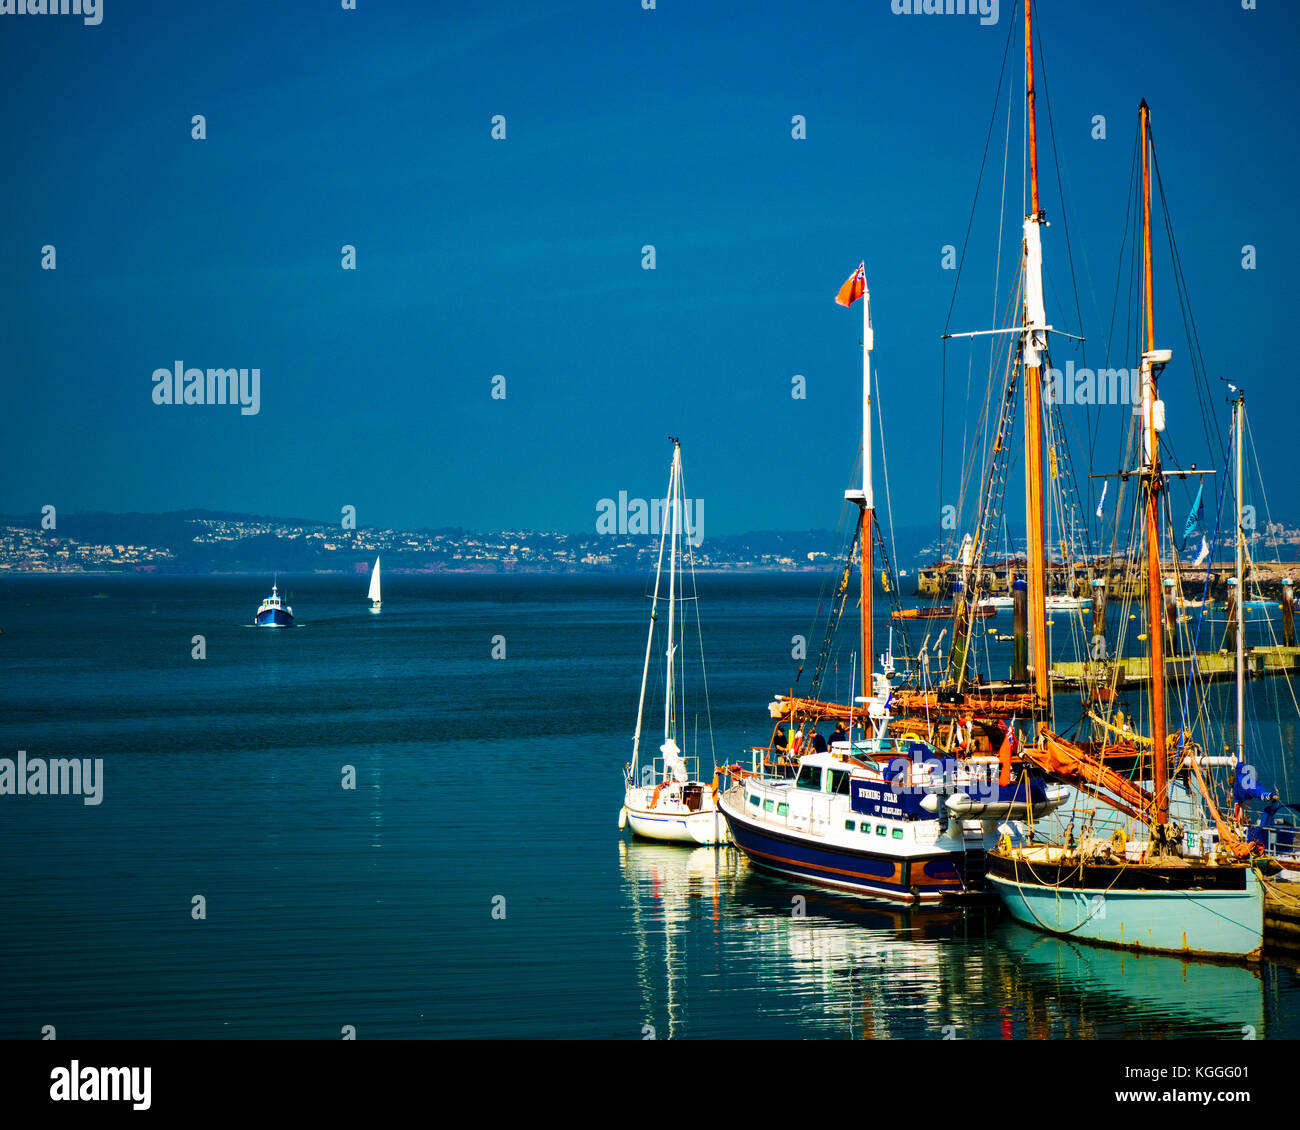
[199, 542]
[195, 542]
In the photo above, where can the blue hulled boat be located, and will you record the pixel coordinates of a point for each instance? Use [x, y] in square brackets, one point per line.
[274, 613]
[884, 817]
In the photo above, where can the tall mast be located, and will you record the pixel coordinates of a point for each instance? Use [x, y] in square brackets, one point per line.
[671, 517]
[1238, 410]
[1151, 409]
[654, 614]
[864, 498]
[1035, 343]
[867, 515]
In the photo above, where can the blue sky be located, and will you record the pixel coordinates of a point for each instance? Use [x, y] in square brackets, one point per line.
[522, 257]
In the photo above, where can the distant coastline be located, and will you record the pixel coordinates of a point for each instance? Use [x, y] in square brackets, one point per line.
[206, 543]
[172, 574]
[211, 543]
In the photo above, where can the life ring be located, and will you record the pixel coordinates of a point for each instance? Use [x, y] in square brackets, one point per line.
[1119, 839]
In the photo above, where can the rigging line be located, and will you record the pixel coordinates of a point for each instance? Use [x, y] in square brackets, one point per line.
[998, 366]
[1060, 183]
[843, 564]
[1205, 587]
[884, 465]
[997, 98]
[943, 415]
[1128, 443]
[1129, 227]
[889, 568]
[968, 468]
[704, 674]
[699, 631]
[997, 270]
[1259, 477]
[1184, 298]
[965, 417]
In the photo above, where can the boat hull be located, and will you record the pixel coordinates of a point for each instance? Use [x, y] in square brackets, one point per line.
[671, 821]
[1223, 919]
[925, 879]
[274, 618]
[680, 828]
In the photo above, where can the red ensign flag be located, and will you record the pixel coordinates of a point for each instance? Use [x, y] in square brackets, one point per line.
[1004, 755]
[855, 286]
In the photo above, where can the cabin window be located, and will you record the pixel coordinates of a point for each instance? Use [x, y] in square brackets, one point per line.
[767, 806]
[850, 825]
[810, 777]
[898, 833]
[840, 782]
[881, 830]
[783, 809]
[753, 798]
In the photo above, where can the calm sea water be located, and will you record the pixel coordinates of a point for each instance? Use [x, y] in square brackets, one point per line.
[481, 783]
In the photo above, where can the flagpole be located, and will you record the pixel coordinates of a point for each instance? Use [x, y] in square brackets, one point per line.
[866, 535]
[864, 499]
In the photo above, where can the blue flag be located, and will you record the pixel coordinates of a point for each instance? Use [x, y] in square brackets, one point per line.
[1194, 515]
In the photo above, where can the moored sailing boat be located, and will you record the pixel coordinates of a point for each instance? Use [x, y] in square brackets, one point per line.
[1184, 890]
[663, 800]
[1276, 835]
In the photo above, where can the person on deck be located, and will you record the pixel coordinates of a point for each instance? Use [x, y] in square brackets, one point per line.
[818, 742]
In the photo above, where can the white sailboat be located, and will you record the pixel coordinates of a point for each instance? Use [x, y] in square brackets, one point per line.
[375, 603]
[663, 800]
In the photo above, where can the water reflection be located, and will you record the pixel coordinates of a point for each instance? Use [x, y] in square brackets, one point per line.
[668, 887]
[722, 950]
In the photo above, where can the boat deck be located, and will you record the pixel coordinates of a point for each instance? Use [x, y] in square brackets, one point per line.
[1282, 917]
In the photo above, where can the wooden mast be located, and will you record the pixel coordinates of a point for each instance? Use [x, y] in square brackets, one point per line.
[1035, 341]
[867, 515]
[1150, 409]
[864, 499]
